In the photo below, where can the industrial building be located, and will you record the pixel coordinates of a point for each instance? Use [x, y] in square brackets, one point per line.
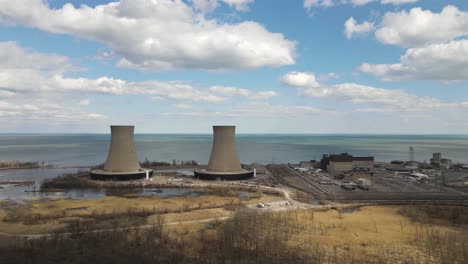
[309, 164]
[344, 162]
[438, 162]
[122, 162]
[224, 162]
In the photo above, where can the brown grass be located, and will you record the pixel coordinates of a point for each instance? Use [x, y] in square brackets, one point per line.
[43, 216]
[373, 234]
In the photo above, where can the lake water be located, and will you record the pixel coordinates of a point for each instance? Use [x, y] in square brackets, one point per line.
[19, 193]
[91, 149]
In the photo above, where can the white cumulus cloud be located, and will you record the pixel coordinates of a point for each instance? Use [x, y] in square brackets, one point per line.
[420, 27]
[398, 2]
[300, 79]
[239, 5]
[447, 61]
[352, 27]
[257, 109]
[44, 111]
[234, 91]
[13, 56]
[308, 4]
[158, 35]
[35, 78]
[205, 5]
[385, 99]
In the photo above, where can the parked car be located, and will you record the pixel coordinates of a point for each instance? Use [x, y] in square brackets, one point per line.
[346, 187]
[339, 176]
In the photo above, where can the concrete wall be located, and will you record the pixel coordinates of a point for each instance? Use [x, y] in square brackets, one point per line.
[340, 166]
[122, 156]
[364, 163]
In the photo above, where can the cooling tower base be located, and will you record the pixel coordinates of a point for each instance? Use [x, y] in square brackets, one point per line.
[224, 176]
[101, 175]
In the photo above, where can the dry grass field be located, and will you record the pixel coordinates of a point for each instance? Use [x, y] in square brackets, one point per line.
[45, 216]
[184, 227]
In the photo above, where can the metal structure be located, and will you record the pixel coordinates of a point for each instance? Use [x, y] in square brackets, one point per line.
[122, 161]
[411, 153]
[224, 162]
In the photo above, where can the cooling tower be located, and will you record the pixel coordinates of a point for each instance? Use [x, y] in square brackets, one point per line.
[122, 156]
[224, 162]
[122, 161]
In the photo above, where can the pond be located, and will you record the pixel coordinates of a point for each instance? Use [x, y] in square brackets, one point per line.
[20, 193]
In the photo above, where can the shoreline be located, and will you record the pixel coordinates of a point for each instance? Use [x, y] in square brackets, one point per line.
[19, 168]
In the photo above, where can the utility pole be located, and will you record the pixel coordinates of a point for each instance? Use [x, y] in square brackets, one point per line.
[411, 153]
[442, 174]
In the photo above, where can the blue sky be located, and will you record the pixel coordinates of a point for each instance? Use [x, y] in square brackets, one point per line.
[267, 66]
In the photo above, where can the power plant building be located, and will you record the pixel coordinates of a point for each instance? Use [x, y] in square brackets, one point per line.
[224, 162]
[122, 161]
[345, 162]
[438, 162]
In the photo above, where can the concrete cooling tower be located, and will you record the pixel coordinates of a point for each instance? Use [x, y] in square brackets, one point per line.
[224, 162]
[122, 161]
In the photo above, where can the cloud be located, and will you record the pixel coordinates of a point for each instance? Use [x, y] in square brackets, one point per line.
[263, 95]
[84, 102]
[384, 99]
[13, 56]
[33, 78]
[308, 4]
[44, 111]
[205, 6]
[384, 2]
[158, 35]
[361, 2]
[398, 2]
[6, 93]
[300, 79]
[268, 110]
[448, 61]
[171, 90]
[226, 90]
[352, 27]
[43, 73]
[257, 109]
[234, 91]
[183, 106]
[328, 76]
[420, 27]
[239, 5]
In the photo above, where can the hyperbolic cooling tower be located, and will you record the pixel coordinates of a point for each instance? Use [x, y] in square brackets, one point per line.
[122, 156]
[122, 161]
[224, 162]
